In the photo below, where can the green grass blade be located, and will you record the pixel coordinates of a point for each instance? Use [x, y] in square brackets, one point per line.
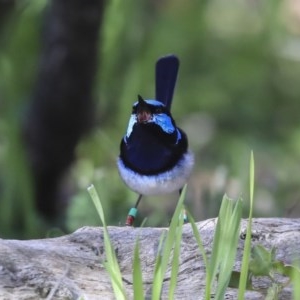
[167, 244]
[137, 274]
[111, 265]
[213, 262]
[96, 200]
[215, 257]
[202, 252]
[224, 246]
[198, 239]
[157, 277]
[252, 176]
[175, 261]
[247, 247]
[229, 247]
[116, 283]
[295, 282]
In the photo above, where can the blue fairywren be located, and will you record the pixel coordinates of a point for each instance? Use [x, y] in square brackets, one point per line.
[154, 157]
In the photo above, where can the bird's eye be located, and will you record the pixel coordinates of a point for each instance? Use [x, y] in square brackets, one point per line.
[133, 110]
[158, 110]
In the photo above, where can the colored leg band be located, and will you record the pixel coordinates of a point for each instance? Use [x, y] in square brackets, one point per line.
[133, 212]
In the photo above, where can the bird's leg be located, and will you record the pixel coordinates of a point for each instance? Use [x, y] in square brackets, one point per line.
[133, 212]
[184, 215]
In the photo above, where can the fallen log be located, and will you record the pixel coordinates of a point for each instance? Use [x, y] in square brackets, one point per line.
[71, 266]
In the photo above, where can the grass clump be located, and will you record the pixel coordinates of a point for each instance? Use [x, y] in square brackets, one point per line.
[219, 266]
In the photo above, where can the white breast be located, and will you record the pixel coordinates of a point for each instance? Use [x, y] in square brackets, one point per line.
[164, 183]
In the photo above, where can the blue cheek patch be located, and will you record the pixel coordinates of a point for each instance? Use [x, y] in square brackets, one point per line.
[131, 123]
[164, 122]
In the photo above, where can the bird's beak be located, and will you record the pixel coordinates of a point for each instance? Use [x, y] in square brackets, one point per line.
[143, 116]
[143, 112]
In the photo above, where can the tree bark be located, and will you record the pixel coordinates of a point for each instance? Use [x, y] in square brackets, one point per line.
[71, 266]
[6, 8]
[62, 107]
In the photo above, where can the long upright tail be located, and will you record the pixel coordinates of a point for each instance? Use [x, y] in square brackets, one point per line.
[165, 79]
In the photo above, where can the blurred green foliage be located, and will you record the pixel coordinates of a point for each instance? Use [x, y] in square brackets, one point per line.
[238, 89]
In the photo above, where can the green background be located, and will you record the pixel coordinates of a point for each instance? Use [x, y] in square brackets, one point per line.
[238, 90]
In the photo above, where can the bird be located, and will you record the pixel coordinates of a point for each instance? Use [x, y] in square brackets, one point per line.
[154, 155]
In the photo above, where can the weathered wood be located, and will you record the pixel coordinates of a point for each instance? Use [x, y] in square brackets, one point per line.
[70, 267]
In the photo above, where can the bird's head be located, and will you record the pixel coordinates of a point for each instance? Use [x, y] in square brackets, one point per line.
[145, 112]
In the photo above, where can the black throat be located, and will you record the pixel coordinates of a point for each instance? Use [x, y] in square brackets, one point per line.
[150, 151]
